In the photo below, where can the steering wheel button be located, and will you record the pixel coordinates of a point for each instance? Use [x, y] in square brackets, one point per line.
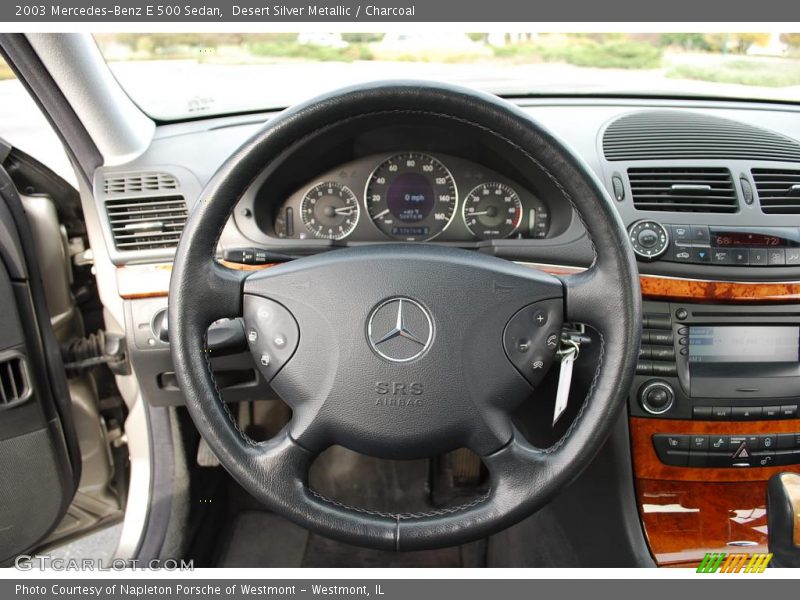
[275, 324]
[519, 334]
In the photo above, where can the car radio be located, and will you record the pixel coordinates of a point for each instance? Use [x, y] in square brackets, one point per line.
[716, 245]
[718, 362]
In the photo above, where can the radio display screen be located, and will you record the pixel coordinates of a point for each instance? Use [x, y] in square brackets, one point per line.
[738, 344]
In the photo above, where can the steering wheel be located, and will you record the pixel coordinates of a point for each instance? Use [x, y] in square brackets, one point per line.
[405, 350]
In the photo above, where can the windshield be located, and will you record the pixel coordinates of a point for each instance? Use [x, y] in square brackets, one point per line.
[174, 76]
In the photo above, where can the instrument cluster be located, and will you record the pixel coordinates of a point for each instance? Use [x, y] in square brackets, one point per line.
[412, 197]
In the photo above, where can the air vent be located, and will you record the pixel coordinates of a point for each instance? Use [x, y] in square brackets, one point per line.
[14, 384]
[683, 189]
[139, 182]
[778, 191]
[664, 134]
[146, 223]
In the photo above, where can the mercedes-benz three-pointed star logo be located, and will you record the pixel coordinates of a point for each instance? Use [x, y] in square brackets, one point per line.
[399, 329]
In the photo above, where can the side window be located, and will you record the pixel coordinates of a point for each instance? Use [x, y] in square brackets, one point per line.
[24, 126]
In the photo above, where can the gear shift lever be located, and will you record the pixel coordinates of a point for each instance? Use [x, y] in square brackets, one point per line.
[783, 519]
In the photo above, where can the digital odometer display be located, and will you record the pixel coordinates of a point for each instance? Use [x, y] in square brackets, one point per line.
[411, 197]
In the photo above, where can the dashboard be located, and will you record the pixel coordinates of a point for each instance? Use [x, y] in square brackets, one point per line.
[708, 191]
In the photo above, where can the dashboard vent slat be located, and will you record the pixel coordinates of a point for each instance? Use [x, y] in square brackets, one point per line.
[673, 134]
[147, 222]
[683, 189]
[778, 191]
[14, 384]
[133, 183]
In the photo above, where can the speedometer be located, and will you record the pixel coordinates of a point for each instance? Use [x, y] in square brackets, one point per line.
[411, 197]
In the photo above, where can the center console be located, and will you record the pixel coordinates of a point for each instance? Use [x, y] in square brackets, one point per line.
[719, 363]
[714, 414]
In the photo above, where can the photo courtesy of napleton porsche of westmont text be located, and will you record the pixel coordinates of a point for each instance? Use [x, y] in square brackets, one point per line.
[160, 590]
[400, 300]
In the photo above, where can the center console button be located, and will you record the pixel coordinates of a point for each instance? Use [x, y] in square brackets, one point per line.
[656, 397]
[699, 442]
[785, 441]
[721, 413]
[789, 411]
[682, 234]
[700, 235]
[661, 338]
[681, 253]
[719, 443]
[678, 442]
[720, 256]
[767, 442]
[701, 255]
[758, 257]
[701, 412]
[735, 442]
[648, 238]
[793, 256]
[746, 413]
[740, 257]
[763, 459]
[776, 256]
[771, 412]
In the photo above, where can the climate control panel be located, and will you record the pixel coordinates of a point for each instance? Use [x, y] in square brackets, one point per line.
[716, 245]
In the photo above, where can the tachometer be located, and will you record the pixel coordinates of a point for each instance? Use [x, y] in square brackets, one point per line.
[492, 210]
[411, 197]
[329, 210]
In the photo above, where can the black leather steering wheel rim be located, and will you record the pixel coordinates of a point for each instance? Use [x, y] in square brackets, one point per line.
[522, 478]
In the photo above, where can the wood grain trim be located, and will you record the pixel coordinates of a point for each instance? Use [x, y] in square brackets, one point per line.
[646, 464]
[241, 267]
[656, 287]
[683, 520]
[146, 281]
[664, 288]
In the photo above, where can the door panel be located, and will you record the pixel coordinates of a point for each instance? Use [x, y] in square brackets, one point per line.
[39, 455]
